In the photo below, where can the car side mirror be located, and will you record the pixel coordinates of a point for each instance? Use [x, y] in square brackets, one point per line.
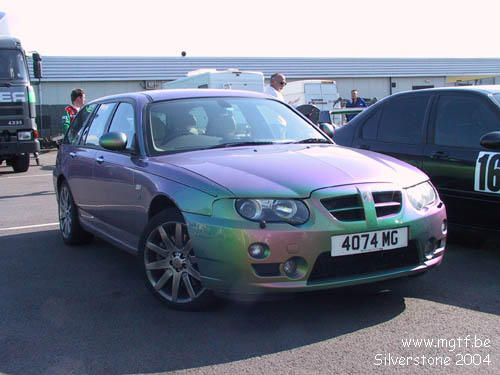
[491, 140]
[114, 141]
[327, 128]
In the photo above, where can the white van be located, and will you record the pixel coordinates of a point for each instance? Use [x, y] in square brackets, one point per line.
[219, 79]
[322, 94]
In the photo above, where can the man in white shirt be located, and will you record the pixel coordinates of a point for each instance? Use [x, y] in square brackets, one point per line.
[277, 84]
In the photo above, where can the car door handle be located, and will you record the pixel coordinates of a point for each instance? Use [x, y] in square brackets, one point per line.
[72, 154]
[99, 159]
[439, 155]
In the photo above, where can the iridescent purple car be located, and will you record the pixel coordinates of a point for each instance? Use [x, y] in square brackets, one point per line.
[224, 192]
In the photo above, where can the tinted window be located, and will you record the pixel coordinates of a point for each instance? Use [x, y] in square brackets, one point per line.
[98, 124]
[76, 128]
[462, 120]
[369, 129]
[403, 119]
[124, 121]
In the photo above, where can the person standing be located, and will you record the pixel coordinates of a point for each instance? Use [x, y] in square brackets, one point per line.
[77, 102]
[276, 86]
[355, 102]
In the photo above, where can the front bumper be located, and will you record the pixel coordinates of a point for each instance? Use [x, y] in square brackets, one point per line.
[19, 147]
[221, 244]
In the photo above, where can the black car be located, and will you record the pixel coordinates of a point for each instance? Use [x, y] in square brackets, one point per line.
[452, 134]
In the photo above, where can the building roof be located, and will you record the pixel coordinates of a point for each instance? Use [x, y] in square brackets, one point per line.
[67, 68]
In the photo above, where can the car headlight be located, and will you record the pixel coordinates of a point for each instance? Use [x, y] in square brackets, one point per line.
[290, 211]
[24, 136]
[422, 195]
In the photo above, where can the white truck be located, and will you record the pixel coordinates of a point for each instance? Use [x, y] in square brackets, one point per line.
[319, 93]
[219, 79]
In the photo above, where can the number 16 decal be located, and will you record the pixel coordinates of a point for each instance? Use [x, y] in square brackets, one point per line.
[487, 174]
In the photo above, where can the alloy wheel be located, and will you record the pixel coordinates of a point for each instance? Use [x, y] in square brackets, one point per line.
[65, 212]
[171, 265]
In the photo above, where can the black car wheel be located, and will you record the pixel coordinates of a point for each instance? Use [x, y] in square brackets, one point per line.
[170, 265]
[71, 230]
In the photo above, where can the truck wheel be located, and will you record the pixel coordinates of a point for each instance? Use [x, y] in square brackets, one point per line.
[169, 264]
[71, 230]
[21, 163]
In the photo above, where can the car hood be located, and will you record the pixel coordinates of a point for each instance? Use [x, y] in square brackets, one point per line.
[293, 170]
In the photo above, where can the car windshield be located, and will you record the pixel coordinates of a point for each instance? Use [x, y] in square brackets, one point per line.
[201, 123]
[12, 65]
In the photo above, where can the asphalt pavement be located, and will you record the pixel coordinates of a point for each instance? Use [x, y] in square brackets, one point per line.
[85, 310]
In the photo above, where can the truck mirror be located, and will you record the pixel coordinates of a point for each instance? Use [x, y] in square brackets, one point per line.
[37, 65]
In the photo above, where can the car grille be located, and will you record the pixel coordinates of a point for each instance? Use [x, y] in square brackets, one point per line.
[11, 109]
[387, 202]
[350, 207]
[267, 269]
[328, 267]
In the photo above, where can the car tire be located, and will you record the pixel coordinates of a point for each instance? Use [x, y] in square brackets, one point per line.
[169, 264]
[21, 163]
[69, 224]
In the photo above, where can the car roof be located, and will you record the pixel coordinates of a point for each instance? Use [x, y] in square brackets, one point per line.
[484, 89]
[160, 95]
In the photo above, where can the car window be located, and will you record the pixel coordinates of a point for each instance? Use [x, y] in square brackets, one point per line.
[497, 98]
[77, 126]
[462, 120]
[207, 122]
[369, 128]
[98, 124]
[124, 121]
[403, 119]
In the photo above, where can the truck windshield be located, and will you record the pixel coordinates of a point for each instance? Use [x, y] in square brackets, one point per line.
[12, 66]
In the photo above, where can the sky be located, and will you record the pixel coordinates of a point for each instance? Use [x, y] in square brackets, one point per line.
[258, 28]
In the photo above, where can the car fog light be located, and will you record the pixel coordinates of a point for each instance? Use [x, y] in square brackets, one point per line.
[258, 251]
[294, 268]
[444, 227]
[430, 246]
[290, 267]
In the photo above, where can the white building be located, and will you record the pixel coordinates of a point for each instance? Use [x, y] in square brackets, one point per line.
[373, 77]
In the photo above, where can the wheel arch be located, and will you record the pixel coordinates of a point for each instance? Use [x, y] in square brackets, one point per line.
[160, 203]
[60, 180]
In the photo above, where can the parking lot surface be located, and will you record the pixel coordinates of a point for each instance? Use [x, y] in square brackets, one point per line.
[85, 310]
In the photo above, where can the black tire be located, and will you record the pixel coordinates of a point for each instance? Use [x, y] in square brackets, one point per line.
[69, 224]
[21, 163]
[169, 264]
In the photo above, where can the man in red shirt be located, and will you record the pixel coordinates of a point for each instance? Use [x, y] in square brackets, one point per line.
[77, 101]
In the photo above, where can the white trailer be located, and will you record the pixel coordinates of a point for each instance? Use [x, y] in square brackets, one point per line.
[219, 79]
[4, 25]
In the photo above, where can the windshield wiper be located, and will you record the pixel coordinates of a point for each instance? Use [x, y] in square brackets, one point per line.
[313, 140]
[236, 144]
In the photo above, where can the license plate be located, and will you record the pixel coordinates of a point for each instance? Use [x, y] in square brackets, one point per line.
[357, 243]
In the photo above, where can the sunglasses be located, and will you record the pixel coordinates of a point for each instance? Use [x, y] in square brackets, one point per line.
[283, 83]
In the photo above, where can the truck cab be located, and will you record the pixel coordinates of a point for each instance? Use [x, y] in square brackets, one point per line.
[18, 130]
